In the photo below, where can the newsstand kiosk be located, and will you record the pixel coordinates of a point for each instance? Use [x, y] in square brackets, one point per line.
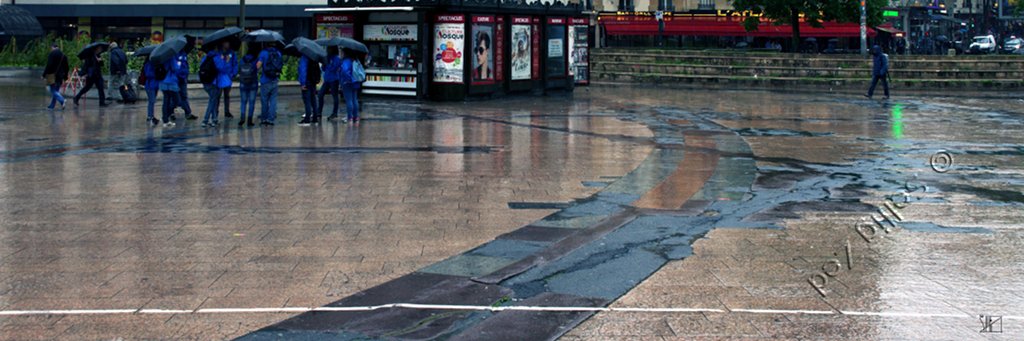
[451, 50]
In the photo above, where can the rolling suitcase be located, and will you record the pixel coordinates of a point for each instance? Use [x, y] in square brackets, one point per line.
[128, 94]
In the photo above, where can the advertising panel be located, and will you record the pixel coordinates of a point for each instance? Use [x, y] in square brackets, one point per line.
[556, 37]
[483, 71]
[521, 52]
[392, 32]
[449, 41]
[334, 25]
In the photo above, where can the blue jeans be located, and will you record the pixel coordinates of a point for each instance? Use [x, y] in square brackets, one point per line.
[248, 101]
[213, 104]
[170, 102]
[333, 88]
[874, 81]
[268, 101]
[151, 92]
[183, 97]
[309, 101]
[55, 95]
[351, 101]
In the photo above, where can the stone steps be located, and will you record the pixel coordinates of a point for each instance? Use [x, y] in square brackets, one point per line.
[783, 83]
[775, 71]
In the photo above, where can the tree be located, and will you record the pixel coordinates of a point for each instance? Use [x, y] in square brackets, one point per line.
[782, 12]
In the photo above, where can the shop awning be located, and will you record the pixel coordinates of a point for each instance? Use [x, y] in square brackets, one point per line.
[722, 27]
[888, 28]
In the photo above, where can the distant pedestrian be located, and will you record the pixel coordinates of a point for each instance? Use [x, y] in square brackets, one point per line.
[248, 86]
[270, 62]
[152, 86]
[331, 75]
[352, 77]
[92, 66]
[118, 71]
[167, 73]
[182, 74]
[879, 71]
[215, 74]
[55, 73]
[309, 77]
[225, 49]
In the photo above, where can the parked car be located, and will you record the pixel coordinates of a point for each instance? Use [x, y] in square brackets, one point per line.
[1012, 44]
[983, 44]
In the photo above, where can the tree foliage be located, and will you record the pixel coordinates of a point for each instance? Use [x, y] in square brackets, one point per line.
[814, 12]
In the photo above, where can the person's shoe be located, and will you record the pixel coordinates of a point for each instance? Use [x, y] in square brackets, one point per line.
[203, 124]
[191, 117]
[241, 123]
[270, 123]
[305, 122]
[174, 118]
[76, 101]
[154, 121]
[214, 124]
[62, 106]
[228, 115]
[49, 107]
[250, 124]
[168, 124]
[886, 98]
[868, 96]
[332, 117]
[316, 120]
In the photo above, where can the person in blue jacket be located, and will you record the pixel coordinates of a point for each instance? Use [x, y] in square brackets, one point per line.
[248, 87]
[308, 87]
[182, 74]
[222, 81]
[233, 60]
[349, 87]
[169, 86]
[152, 87]
[879, 71]
[268, 87]
[332, 74]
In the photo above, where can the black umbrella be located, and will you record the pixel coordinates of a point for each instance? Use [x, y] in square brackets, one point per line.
[290, 50]
[353, 45]
[264, 36]
[168, 49]
[144, 51]
[309, 48]
[231, 34]
[88, 50]
[327, 42]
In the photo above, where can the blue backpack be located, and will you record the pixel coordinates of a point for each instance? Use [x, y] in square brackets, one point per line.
[358, 73]
[272, 69]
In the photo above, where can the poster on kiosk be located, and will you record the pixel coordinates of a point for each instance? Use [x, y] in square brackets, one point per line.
[449, 42]
[579, 51]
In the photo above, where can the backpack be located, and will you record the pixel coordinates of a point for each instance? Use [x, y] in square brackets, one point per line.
[161, 72]
[358, 73]
[312, 74]
[272, 68]
[246, 73]
[208, 70]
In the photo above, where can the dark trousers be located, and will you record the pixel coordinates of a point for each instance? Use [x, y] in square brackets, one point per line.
[227, 100]
[183, 97]
[331, 87]
[309, 101]
[874, 81]
[170, 101]
[89, 83]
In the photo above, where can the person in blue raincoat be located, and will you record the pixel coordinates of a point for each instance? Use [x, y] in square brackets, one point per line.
[308, 87]
[152, 87]
[233, 60]
[222, 62]
[169, 86]
[350, 87]
[182, 73]
[332, 75]
[879, 71]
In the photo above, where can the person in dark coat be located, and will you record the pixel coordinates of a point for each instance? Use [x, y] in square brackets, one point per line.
[93, 66]
[879, 71]
[118, 71]
[55, 73]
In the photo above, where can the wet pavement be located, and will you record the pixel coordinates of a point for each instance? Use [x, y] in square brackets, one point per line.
[690, 214]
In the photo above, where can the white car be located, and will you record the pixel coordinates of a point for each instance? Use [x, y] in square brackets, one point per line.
[983, 44]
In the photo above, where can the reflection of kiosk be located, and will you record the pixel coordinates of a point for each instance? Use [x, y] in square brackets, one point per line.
[449, 50]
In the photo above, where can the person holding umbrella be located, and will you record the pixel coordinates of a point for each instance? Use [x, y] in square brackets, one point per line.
[182, 74]
[232, 60]
[227, 40]
[248, 86]
[92, 67]
[55, 73]
[118, 71]
[151, 82]
[217, 66]
[166, 64]
[332, 74]
[310, 53]
[270, 62]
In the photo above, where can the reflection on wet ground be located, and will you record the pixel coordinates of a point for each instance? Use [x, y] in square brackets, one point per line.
[623, 197]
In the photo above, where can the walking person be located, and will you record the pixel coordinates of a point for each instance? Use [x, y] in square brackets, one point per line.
[233, 61]
[167, 73]
[182, 74]
[309, 77]
[270, 63]
[55, 73]
[879, 71]
[215, 74]
[331, 75]
[248, 86]
[118, 71]
[152, 86]
[93, 67]
[352, 77]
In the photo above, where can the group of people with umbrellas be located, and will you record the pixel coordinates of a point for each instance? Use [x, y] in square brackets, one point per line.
[337, 62]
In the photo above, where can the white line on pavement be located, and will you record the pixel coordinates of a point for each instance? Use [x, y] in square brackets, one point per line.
[292, 310]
